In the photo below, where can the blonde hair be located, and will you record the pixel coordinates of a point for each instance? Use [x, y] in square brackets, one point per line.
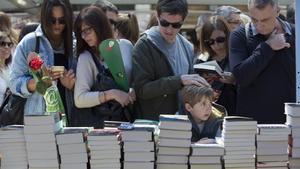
[193, 94]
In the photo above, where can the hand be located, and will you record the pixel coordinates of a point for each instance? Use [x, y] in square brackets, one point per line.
[132, 96]
[118, 95]
[228, 78]
[277, 41]
[193, 79]
[210, 77]
[68, 79]
[55, 75]
[31, 85]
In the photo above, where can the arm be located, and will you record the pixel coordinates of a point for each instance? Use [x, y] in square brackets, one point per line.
[21, 82]
[83, 96]
[145, 83]
[247, 67]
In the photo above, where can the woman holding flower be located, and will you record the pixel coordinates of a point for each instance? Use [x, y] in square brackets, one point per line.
[91, 28]
[54, 36]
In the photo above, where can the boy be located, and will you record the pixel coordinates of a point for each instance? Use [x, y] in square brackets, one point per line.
[205, 116]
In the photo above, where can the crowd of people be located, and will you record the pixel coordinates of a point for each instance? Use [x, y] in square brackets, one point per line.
[258, 50]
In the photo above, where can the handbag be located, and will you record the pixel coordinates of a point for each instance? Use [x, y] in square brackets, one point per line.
[108, 111]
[12, 108]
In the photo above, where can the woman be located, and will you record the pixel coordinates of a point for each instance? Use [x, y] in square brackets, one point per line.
[214, 37]
[92, 27]
[54, 36]
[127, 27]
[6, 44]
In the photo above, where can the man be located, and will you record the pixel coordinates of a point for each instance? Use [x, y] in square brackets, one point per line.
[110, 10]
[231, 15]
[162, 60]
[262, 59]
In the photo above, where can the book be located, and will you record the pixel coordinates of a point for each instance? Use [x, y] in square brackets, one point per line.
[211, 67]
[292, 109]
[174, 122]
[199, 149]
[172, 159]
[138, 165]
[174, 151]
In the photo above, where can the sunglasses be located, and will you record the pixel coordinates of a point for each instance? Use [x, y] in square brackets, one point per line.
[60, 21]
[165, 23]
[6, 44]
[86, 31]
[219, 39]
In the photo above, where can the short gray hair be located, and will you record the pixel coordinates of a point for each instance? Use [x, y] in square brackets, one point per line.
[226, 11]
[260, 4]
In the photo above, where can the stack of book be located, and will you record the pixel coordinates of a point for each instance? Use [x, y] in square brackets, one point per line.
[72, 147]
[174, 142]
[138, 146]
[208, 156]
[238, 138]
[272, 144]
[292, 111]
[39, 131]
[105, 151]
[13, 148]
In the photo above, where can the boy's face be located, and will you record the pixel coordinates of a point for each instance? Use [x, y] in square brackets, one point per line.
[201, 110]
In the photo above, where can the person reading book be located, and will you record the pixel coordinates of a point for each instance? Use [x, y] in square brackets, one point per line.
[206, 117]
[214, 36]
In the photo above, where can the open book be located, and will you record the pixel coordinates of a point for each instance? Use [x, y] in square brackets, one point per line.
[209, 67]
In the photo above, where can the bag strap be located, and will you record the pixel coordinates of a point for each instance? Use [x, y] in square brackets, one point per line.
[37, 44]
[97, 63]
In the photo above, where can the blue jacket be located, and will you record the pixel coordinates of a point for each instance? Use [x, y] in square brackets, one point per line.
[20, 75]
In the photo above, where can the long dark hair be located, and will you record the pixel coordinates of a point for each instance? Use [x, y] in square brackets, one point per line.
[213, 23]
[46, 13]
[95, 18]
[4, 35]
[128, 26]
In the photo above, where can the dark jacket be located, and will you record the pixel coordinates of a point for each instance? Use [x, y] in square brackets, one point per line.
[154, 81]
[265, 78]
[211, 126]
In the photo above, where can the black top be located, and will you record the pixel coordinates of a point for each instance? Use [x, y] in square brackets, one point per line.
[265, 78]
[61, 60]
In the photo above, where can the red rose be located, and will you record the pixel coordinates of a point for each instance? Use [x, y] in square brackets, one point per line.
[36, 63]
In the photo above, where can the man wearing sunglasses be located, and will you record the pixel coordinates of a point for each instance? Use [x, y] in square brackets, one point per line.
[162, 63]
[262, 58]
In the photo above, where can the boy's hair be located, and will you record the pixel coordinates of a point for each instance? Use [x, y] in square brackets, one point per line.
[193, 94]
[172, 7]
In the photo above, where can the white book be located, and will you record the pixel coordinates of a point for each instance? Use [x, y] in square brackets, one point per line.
[175, 134]
[44, 146]
[207, 149]
[104, 161]
[174, 151]
[42, 129]
[112, 147]
[174, 142]
[73, 166]
[205, 159]
[103, 143]
[245, 160]
[293, 121]
[105, 154]
[138, 146]
[74, 158]
[206, 166]
[72, 148]
[138, 165]
[42, 155]
[139, 156]
[268, 158]
[296, 131]
[37, 138]
[171, 166]
[209, 67]
[36, 120]
[174, 122]
[239, 165]
[172, 159]
[71, 138]
[137, 135]
[292, 109]
[228, 156]
[271, 138]
[43, 163]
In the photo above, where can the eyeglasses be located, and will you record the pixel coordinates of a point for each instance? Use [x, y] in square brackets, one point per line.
[219, 39]
[86, 31]
[60, 21]
[165, 23]
[6, 44]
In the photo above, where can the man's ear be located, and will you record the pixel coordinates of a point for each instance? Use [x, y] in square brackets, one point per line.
[188, 107]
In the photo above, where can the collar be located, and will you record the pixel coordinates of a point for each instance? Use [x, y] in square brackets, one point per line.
[286, 27]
